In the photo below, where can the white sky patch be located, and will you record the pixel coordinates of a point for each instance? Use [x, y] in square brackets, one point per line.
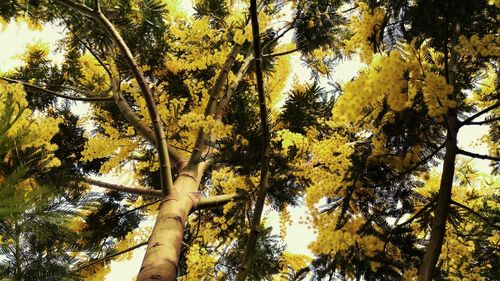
[17, 36]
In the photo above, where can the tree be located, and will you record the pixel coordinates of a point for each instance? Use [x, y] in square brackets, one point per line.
[174, 103]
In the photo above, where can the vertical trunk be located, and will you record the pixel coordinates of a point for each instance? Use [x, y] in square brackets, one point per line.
[438, 231]
[246, 261]
[433, 249]
[164, 245]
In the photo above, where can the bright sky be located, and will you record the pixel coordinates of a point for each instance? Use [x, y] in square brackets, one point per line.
[16, 36]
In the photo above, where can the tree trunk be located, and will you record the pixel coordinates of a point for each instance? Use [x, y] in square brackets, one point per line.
[248, 255]
[164, 245]
[438, 231]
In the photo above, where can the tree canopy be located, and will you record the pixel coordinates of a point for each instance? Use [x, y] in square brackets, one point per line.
[201, 114]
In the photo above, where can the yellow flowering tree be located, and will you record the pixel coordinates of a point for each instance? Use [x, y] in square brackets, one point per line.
[188, 109]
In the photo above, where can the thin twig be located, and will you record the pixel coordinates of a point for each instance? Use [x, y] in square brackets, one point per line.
[280, 54]
[475, 213]
[132, 210]
[486, 121]
[410, 220]
[489, 108]
[112, 255]
[479, 156]
[50, 92]
[121, 188]
[421, 162]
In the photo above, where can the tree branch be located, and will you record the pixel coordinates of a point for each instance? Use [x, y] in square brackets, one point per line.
[280, 54]
[112, 255]
[410, 220]
[486, 121]
[211, 105]
[216, 201]
[246, 262]
[50, 92]
[97, 7]
[421, 162]
[167, 185]
[469, 119]
[126, 189]
[222, 105]
[479, 156]
[476, 214]
[417, 214]
[142, 128]
[132, 210]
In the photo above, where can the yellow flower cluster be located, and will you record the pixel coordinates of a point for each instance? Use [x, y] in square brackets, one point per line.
[131, 239]
[289, 139]
[487, 86]
[240, 36]
[122, 154]
[32, 129]
[3, 24]
[458, 260]
[494, 2]
[437, 94]
[327, 168]
[331, 241]
[215, 128]
[276, 82]
[185, 35]
[295, 261]
[200, 265]
[364, 27]
[383, 79]
[76, 224]
[228, 180]
[100, 145]
[93, 74]
[487, 46]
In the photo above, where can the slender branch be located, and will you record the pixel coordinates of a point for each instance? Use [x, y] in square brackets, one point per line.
[85, 45]
[142, 128]
[479, 156]
[121, 188]
[167, 185]
[486, 121]
[222, 106]
[211, 105]
[132, 210]
[280, 54]
[216, 201]
[489, 108]
[301, 273]
[421, 162]
[112, 255]
[475, 213]
[417, 214]
[80, 8]
[97, 7]
[290, 26]
[246, 262]
[50, 92]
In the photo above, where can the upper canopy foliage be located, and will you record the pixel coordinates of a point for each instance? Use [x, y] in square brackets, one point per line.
[358, 159]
